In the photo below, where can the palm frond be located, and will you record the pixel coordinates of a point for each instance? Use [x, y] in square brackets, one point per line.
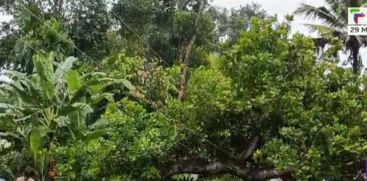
[339, 8]
[324, 31]
[321, 13]
[334, 4]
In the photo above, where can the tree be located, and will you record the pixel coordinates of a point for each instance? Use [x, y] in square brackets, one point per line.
[6, 52]
[335, 19]
[38, 122]
[32, 30]
[262, 110]
[163, 27]
[257, 107]
[227, 25]
[138, 136]
[87, 24]
[52, 106]
[231, 23]
[141, 23]
[71, 31]
[48, 37]
[269, 111]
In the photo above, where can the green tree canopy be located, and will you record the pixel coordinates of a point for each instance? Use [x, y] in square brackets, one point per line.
[161, 98]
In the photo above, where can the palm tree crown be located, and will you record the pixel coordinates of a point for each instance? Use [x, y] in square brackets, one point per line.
[335, 19]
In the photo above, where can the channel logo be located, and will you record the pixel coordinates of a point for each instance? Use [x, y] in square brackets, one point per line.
[357, 14]
[357, 21]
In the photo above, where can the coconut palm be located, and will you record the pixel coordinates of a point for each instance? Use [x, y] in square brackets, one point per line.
[335, 19]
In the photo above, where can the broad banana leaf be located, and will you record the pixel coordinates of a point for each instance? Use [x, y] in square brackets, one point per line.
[63, 68]
[44, 69]
[35, 140]
[73, 81]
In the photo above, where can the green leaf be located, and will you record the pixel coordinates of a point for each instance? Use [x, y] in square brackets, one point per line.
[93, 74]
[78, 117]
[92, 135]
[99, 97]
[35, 140]
[44, 69]
[62, 121]
[73, 81]
[127, 84]
[6, 123]
[84, 107]
[6, 106]
[22, 95]
[63, 68]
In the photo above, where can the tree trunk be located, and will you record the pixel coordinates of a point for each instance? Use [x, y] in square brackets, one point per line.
[354, 44]
[184, 57]
[356, 60]
[185, 68]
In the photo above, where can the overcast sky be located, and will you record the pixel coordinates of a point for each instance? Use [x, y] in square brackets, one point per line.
[279, 7]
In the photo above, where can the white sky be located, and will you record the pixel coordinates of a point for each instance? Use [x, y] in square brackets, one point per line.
[279, 7]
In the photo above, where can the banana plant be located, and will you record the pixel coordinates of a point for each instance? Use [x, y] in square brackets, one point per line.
[50, 107]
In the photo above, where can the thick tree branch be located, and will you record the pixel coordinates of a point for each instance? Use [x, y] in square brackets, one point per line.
[199, 166]
[260, 175]
[193, 166]
[186, 51]
[250, 148]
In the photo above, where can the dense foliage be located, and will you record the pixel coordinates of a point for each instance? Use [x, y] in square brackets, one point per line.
[99, 97]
